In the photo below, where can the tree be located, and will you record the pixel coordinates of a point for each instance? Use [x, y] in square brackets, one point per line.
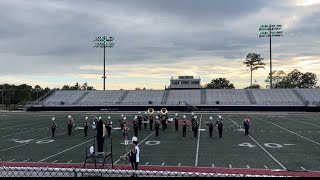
[254, 86]
[254, 62]
[220, 83]
[294, 79]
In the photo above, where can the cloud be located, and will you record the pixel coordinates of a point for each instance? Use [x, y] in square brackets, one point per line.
[154, 40]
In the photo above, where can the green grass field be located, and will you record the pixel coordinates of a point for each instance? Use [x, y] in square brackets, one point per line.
[277, 141]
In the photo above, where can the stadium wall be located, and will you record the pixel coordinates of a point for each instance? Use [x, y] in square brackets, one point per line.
[178, 108]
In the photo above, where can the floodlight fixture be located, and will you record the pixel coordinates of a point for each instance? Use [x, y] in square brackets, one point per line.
[270, 31]
[103, 42]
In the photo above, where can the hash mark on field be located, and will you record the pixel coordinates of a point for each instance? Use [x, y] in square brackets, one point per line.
[162, 164]
[147, 163]
[54, 161]
[26, 160]
[12, 160]
[179, 164]
[212, 165]
[248, 166]
[69, 161]
[303, 168]
[266, 167]
[309, 131]
[230, 166]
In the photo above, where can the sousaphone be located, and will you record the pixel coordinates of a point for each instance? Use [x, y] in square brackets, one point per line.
[164, 111]
[150, 110]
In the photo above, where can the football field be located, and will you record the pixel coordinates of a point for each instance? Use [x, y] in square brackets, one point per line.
[277, 141]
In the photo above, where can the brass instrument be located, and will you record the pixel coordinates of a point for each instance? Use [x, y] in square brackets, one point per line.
[164, 111]
[150, 110]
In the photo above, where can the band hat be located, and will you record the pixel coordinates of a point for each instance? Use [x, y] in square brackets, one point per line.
[108, 117]
[69, 116]
[134, 138]
[53, 118]
[86, 118]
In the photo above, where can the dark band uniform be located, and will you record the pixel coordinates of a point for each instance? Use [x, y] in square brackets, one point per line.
[220, 127]
[121, 123]
[246, 125]
[195, 128]
[184, 129]
[176, 122]
[69, 127]
[157, 126]
[135, 127]
[53, 128]
[85, 127]
[139, 121]
[210, 124]
[109, 127]
[151, 121]
[145, 118]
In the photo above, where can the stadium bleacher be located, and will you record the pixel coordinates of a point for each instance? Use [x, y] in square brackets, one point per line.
[228, 97]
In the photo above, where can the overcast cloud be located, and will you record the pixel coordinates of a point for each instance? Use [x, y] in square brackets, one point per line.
[50, 42]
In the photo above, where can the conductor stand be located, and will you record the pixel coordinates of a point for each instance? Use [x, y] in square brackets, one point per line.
[93, 156]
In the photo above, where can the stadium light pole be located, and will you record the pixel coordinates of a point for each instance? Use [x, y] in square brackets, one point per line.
[104, 42]
[270, 31]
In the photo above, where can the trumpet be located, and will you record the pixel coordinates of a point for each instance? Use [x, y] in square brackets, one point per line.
[150, 110]
[164, 111]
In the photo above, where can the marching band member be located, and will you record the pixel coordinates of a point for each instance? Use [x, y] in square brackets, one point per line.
[135, 154]
[246, 125]
[151, 121]
[193, 121]
[210, 124]
[166, 117]
[157, 126]
[176, 121]
[184, 128]
[125, 131]
[139, 121]
[121, 122]
[94, 122]
[100, 136]
[135, 126]
[109, 126]
[70, 124]
[195, 128]
[85, 127]
[145, 118]
[53, 126]
[220, 126]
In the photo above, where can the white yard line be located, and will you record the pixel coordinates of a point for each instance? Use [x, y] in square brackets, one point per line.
[230, 166]
[28, 143]
[69, 161]
[138, 145]
[212, 165]
[260, 146]
[12, 160]
[288, 130]
[266, 167]
[248, 166]
[197, 152]
[179, 164]
[162, 164]
[26, 160]
[64, 150]
[54, 161]
[147, 163]
[303, 168]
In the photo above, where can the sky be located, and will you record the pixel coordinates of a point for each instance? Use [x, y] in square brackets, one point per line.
[50, 42]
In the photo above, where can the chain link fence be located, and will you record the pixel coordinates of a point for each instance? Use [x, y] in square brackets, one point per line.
[6, 171]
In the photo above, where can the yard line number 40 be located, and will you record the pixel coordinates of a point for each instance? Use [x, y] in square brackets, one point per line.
[269, 145]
